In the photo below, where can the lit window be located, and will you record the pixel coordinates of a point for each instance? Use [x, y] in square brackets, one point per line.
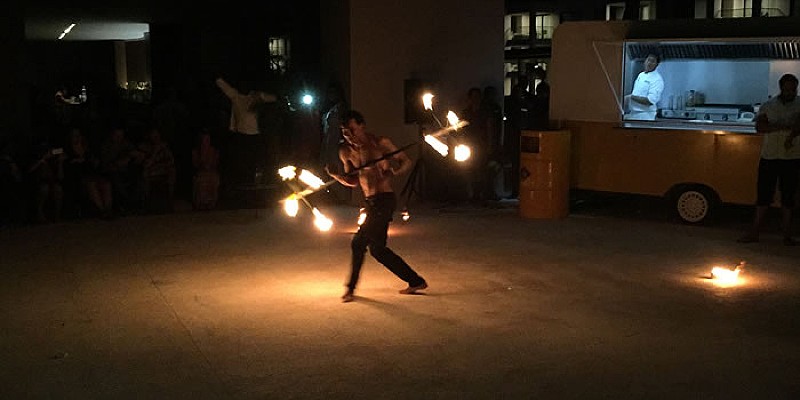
[278, 60]
[733, 8]
[517, 26]
[545, 24]
[775, 8]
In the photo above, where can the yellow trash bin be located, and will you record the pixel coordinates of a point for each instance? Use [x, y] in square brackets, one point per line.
[544, 174]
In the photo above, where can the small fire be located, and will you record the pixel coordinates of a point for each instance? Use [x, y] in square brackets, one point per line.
[310, 179]
[452, 118]
[427, 101]
[727, 277]
[462, 152]
[437, 145]
[291, 205]
[362, 216]
[322, 222]
[287, 172]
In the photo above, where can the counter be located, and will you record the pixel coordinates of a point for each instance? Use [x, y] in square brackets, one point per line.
[694, 124]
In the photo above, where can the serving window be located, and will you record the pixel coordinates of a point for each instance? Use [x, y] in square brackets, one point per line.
[703, 84]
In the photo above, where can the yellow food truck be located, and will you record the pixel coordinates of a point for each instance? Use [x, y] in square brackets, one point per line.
[699, 147]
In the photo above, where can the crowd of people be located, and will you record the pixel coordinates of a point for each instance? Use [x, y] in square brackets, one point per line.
[72, 169]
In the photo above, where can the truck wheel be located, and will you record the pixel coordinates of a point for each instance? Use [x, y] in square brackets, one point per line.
[693, 204]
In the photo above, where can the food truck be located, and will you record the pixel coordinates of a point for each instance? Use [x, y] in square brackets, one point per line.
[700, 148]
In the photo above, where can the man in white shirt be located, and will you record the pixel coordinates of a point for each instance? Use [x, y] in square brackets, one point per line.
[642, 102]
[247, 150]
[778, 121]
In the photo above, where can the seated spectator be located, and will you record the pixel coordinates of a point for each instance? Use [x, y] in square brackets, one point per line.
[117, 166]
[11, 188]
[47, 175]
[158, 172]
[205, 158]
[82, 175]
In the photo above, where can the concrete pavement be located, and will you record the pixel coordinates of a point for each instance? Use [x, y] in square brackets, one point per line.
[244, 304]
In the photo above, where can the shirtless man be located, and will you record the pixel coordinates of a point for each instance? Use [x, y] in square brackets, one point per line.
[359, 154]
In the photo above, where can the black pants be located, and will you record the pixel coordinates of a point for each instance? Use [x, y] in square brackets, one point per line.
[372, 234]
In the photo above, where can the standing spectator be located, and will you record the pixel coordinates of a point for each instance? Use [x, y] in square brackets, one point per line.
[493, 112]
[477, 137]
[11, 187]
[247, 148]
[205, 158]
[335, 107]
[778, 121]
[539, 101]
[516, 115]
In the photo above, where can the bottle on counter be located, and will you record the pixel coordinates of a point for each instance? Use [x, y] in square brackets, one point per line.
[690, 99]
[83, 94]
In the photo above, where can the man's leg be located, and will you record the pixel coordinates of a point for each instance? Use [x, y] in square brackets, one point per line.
[398, 266]
[358, 247]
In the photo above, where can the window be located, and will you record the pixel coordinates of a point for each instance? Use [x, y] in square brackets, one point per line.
[733, 8]
[545, 24]
[278, 59]
[517, 26]
[775, 8]
[616, 11]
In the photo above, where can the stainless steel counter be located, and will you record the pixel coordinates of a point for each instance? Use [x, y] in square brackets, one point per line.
[695, 124]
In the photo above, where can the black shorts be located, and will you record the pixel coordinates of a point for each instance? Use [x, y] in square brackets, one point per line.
[777, 173]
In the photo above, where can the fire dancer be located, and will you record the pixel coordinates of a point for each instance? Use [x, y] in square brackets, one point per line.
[358, 153]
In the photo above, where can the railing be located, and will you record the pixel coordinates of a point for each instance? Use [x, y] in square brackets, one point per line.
[520, 33]
[543, 32]
[748, 12]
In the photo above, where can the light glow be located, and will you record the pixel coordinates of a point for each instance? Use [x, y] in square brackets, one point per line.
[310, 179]
[437, 145]
[291, 206]
[452, 118]
[322, 222]
[427, 101]
[66, 31]
[308, 99]
[405, 215]
[462, 153]
[287, 172]
[725, 277]
[362, 216]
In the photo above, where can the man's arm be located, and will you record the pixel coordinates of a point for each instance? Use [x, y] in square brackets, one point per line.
[229, 90]
[347, 178]
[400, 163]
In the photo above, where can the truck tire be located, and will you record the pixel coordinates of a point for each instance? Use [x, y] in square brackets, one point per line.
[694, 204]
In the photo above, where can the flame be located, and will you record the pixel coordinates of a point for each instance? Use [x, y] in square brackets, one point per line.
[723, 276]
[362, 216]
[322, 222]
[287, 172]
[452, 118]
[291, 205]
[427, 101]
[437, 145]
[405, 215]
[462, 153]
[310, 179]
